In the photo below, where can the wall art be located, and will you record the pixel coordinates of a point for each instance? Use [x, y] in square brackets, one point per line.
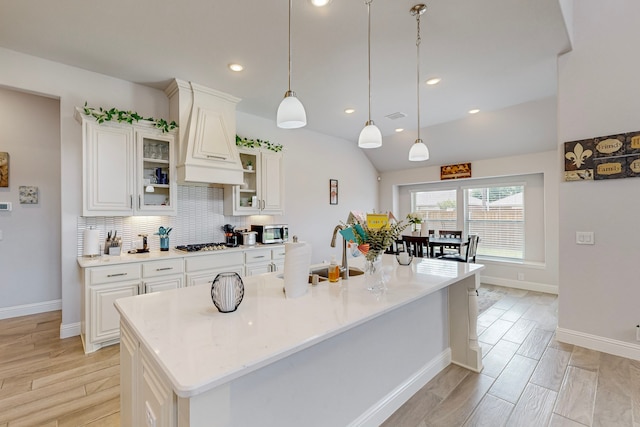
[333, 191]
[4, 169]
[604, 157]
[28, 195]
[462, 170]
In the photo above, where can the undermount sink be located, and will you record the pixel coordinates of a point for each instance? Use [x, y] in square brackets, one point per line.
[320, 278]
[324, 271]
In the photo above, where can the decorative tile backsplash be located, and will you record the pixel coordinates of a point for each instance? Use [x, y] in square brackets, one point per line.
[200, 219]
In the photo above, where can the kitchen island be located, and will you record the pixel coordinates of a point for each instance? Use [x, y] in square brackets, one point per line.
[339, 355]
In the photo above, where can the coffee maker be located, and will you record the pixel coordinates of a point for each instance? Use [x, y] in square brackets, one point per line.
[230, 235]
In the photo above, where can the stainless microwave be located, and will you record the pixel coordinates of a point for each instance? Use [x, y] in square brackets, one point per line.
[274, 233]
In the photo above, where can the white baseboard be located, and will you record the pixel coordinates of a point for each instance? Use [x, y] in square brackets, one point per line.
[520, 284]
[384, 408]
[69, 330]
[594, 342]
[27, 309]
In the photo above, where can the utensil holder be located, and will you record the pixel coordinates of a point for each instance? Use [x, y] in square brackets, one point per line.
[164, 243]
[227, 292]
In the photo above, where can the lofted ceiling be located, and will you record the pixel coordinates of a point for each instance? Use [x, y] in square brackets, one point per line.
[490, 54]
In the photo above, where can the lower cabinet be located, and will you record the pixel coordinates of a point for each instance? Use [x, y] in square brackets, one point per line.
[105, 325]
[146, 397]
[103, 285]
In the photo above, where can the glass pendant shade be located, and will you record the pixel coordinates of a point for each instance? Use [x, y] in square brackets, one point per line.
[419, 151]
[370, 136]
[291, 113]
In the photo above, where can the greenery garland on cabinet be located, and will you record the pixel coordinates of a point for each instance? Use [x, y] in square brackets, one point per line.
[101, 115]
[257, 143]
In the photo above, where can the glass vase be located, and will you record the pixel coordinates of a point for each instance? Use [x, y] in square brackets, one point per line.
[373, 272]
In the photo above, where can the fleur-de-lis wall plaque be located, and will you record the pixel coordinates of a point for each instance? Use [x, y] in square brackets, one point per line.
[578, 155]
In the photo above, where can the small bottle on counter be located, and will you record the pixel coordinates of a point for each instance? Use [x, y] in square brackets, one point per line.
[334, 270]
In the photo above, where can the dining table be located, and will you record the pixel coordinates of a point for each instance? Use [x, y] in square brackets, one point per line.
[442, 242]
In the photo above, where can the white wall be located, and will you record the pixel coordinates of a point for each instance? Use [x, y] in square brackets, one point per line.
[541, 276]
[311, 159]
[598, 95]
[30, 249]
[74, 86]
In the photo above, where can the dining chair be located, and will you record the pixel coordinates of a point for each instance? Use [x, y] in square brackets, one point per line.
[455, 250]
[470, 252]
[417, 245]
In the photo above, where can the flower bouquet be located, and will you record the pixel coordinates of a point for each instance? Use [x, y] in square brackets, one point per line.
[415, 219]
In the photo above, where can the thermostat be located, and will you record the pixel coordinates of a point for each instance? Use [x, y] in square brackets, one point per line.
[5, 206]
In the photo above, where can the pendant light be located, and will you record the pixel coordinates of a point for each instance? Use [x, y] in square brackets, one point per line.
[291, 114]
[370, 136]
[419, 151]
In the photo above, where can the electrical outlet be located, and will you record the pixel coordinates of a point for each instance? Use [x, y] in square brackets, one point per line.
[520, 276]
[584, 238]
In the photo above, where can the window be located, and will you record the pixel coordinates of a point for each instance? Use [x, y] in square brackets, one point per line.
[438, 209]
[496, 214]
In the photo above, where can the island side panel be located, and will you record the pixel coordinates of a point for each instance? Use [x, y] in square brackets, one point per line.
[463, 320]
[371, 369]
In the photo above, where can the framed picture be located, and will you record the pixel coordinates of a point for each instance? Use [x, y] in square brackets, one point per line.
[4, 169]
[461, 170]
[28, 195]
[333, 191]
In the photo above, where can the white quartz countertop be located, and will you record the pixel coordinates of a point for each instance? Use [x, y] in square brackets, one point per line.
[200, 348]
[125, 258]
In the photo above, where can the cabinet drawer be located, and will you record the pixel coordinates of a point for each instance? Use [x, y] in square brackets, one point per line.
[162, 268]
[214, 261]
[277, 253]
[258, 255]
[114, 274]
[207, 277]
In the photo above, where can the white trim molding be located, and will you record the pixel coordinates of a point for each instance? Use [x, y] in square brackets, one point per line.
[520, 284]
[69, 330]
[594, 342]
[27, 309]
[386, 406]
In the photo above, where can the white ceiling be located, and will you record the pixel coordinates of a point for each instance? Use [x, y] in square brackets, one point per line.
[491, 54]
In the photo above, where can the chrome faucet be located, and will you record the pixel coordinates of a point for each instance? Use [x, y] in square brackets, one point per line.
[344, 269]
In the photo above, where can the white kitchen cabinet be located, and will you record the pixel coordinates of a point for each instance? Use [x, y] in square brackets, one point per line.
[262, 191]
[105, 322]
[203, 269]
[120, 162]
[277, 258]
[129, 356]
[258, 261]
[162, 275]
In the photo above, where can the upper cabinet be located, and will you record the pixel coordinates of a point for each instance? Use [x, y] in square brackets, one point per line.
[127, 169]
[262, 189]
[207, 151]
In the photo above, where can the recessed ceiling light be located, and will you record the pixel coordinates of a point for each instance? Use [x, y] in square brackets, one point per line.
[474, 111]
[349, 110]
[320, 3]
[236, 67]
[434, 81]
[399, 130]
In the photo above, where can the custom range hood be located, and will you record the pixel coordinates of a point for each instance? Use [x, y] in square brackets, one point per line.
[206, 148]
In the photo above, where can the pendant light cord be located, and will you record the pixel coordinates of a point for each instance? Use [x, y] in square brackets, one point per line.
[368, 3]
[418, 40]
[290, 7]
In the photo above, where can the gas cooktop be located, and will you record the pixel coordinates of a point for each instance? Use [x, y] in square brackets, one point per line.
[202, 247]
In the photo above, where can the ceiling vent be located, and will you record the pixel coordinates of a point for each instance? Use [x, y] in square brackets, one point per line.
[395, 116]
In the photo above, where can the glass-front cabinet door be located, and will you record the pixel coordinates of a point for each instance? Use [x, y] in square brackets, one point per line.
[156, 181]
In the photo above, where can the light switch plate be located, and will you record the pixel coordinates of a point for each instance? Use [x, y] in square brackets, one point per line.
[584, 238]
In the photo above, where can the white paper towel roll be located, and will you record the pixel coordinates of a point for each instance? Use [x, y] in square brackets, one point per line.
[91, 242]
[297, 259]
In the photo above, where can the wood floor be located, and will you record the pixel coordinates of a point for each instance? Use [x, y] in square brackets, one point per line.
[529, 379]
[49, 382]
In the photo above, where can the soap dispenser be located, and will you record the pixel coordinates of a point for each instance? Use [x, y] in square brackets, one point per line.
[334, 270]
